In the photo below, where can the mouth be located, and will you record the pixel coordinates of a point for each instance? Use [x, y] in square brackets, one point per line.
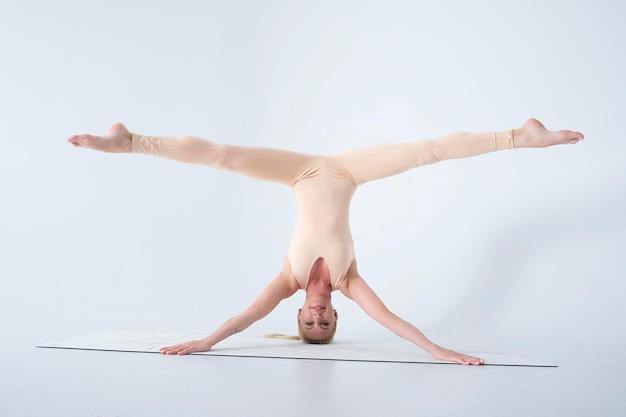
[317, 307]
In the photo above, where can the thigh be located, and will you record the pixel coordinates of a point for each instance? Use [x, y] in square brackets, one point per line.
[267, 164]
[375, 162]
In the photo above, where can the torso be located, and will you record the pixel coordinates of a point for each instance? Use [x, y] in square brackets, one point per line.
[323, 193]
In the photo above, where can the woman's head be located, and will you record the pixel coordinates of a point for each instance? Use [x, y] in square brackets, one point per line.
[317, 322]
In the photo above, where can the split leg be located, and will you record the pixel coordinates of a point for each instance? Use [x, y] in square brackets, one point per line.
[262, 163]
[368, 164]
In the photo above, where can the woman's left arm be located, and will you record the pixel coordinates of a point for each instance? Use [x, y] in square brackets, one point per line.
[358, 290]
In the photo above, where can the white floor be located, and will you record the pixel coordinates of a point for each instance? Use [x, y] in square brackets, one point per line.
[68, 383]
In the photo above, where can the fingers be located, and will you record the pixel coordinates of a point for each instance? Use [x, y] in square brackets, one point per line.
[470, 360]
[180, 349]
[452, 356]
[170, 350]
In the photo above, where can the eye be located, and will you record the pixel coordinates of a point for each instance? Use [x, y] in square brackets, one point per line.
[309, 323]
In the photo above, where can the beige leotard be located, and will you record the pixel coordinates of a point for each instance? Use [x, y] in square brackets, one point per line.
[323, 185]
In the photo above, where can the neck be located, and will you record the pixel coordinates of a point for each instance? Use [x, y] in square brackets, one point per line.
[318, 288]
[319, 279]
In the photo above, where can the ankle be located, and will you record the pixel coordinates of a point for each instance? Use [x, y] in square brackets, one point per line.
[128, 143]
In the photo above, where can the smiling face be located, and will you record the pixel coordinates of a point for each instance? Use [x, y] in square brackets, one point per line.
[317, 321]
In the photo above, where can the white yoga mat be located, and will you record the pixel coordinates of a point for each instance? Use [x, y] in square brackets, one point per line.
[365, 350]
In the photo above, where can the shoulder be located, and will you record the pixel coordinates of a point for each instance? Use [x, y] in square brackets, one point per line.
[287, 279]
[351, 281]
[290, 286]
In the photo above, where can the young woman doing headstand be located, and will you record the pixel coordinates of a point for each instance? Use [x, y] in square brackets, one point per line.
[320, 258]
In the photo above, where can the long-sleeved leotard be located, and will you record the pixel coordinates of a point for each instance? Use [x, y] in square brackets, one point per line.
[323, 185]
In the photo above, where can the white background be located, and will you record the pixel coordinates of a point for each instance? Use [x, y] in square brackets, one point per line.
[518, 252]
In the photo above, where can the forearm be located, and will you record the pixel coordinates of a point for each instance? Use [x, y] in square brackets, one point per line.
[407, 331]
[233, 325]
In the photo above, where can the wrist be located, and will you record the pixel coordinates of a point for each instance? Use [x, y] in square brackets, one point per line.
[433, 348]
[209, 341]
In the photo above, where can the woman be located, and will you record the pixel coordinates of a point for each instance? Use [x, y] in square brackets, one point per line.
[320, 258]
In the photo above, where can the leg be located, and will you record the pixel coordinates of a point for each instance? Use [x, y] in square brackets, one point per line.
[386, 160]
[261, 163]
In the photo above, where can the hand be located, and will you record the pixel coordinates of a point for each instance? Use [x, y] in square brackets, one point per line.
[201, 345]
[452, 356]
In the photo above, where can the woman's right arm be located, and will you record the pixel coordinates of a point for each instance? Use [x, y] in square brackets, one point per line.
[279, 289]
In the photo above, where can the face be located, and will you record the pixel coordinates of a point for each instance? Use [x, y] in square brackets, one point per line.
[317, 319]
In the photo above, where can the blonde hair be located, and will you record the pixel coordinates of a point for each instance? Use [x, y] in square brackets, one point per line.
[281, 336]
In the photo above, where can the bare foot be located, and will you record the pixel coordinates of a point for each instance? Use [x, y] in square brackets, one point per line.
[117, 139]
[534, 135]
